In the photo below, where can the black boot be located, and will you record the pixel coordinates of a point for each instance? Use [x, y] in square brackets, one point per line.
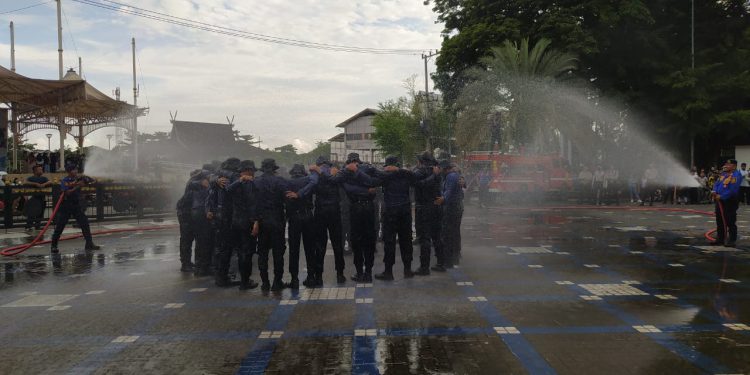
[186, 267]
[265, 285]
[53, 249]
[387, 275]
[358, 277]
[277, 284]
[294, 284]
[422, 271]
[309, 281]
[408, 273]
[438, 268]
[319, 280]
[367, 277]
[340, 277]
[248, 284]
[91, 246]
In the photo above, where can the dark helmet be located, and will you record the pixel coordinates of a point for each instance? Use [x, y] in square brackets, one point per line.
[268, 165]
[322, 160]
[445, 164]
[298, 170]
[247, 165]
[391, 160]
[353, 157]
[426, 158]
[231, 164]
[208, 167]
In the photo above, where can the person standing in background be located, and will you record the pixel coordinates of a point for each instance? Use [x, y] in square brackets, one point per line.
[745, 186]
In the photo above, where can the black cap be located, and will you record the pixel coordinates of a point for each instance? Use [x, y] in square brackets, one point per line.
[231, 164]
[268, 165]
[391, 160]
[731, 161]
[298, 170]
[247, 165]
[322, 160]
[353, 157]
[426, 158]
[208, 167]
[445, 164]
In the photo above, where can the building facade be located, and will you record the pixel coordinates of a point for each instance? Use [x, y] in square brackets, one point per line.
[358, 137]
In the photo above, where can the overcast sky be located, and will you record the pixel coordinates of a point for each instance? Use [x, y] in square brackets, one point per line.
[281, 94]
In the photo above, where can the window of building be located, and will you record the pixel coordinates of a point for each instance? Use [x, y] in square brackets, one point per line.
[354, 136]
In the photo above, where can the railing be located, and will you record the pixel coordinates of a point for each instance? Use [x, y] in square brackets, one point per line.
[102, 201]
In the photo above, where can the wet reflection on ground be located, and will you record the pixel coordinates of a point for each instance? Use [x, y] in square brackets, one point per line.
[537, 291]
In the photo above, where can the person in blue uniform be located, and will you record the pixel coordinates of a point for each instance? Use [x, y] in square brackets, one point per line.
[726, 194]
[362, 218]
[299, 211]
[219, 212]
[200, 224]
[244, 227]
[328, 211]
[187, 234]
[427, 214]
[453, 208]
[39, 181]
[73, 206]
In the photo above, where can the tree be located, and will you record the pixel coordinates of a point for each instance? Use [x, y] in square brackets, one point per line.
[635, 52]
[396, 129]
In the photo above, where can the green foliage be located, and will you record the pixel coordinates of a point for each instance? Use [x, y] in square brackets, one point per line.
[397, 129]
[635, 51]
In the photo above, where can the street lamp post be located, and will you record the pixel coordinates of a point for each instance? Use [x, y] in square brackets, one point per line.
[109, 142]
[49, 147]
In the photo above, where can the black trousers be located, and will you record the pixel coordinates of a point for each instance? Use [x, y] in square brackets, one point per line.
[328, 222]
[451, 234]
[745, 194]
[204, 246]
[63, 216]
[271, 238]
[187, 236]
[35, 221]
[242, 241]
[429, 222]
[302, 229]
[363, 235]
[397, 223]
[729, 207]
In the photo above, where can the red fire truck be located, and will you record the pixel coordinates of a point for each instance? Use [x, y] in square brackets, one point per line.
[513, 176]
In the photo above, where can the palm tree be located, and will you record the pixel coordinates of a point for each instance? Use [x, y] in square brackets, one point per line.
[508, 81]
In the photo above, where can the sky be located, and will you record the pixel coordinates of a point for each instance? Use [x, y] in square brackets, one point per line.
[280, 94]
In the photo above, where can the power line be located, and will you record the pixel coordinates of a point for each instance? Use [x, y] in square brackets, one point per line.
[179, 21]
[27, 7]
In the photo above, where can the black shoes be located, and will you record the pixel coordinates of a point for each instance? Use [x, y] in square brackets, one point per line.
[310, 281]
[438, 268]
[278, 285]
[367, 278]
[408, 273]
[186, 267]
[422, 271]
[54, 249]
[358, 277]
[385, 276]
[91, 246]
[730, 244]
[340, 277]
[250, 284]
[717, 243]
[294, 284]
[265, 286]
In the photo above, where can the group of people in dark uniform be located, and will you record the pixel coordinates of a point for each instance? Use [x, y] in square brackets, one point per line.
[232, 208]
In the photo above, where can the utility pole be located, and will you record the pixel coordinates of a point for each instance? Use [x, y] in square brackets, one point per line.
[60, 117]
[80, 67]
[135, 114]
[426, 112]
[14, 115]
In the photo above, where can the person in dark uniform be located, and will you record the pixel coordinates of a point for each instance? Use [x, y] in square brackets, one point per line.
[362, 219]
[201, 226]
[428, 215]
[73, 205]
[184, 214]
[451, 200]
[726, 194]
[272, 191]
[219, 212]
[244, 228]
[329, 224]
[397, 221]
[37, 202]
[299, 210]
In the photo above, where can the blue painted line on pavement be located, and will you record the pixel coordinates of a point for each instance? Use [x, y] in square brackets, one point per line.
[256, 361]
[364, 347]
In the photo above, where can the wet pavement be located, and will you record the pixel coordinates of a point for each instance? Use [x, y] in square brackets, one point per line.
[543, 291]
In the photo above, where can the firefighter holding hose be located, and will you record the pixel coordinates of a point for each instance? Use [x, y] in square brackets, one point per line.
[726, 194]
[73, 205]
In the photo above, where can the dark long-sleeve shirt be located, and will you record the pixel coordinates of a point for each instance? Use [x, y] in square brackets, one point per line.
[357, 185]
[244, 196]
[427, 187]
[396, 187]
[452, 190]
[304, 187]
[271, 195]
[219, 201]
[327, 192]
[199, 196]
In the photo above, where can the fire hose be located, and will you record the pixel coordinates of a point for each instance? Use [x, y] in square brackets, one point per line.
[18, 249]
